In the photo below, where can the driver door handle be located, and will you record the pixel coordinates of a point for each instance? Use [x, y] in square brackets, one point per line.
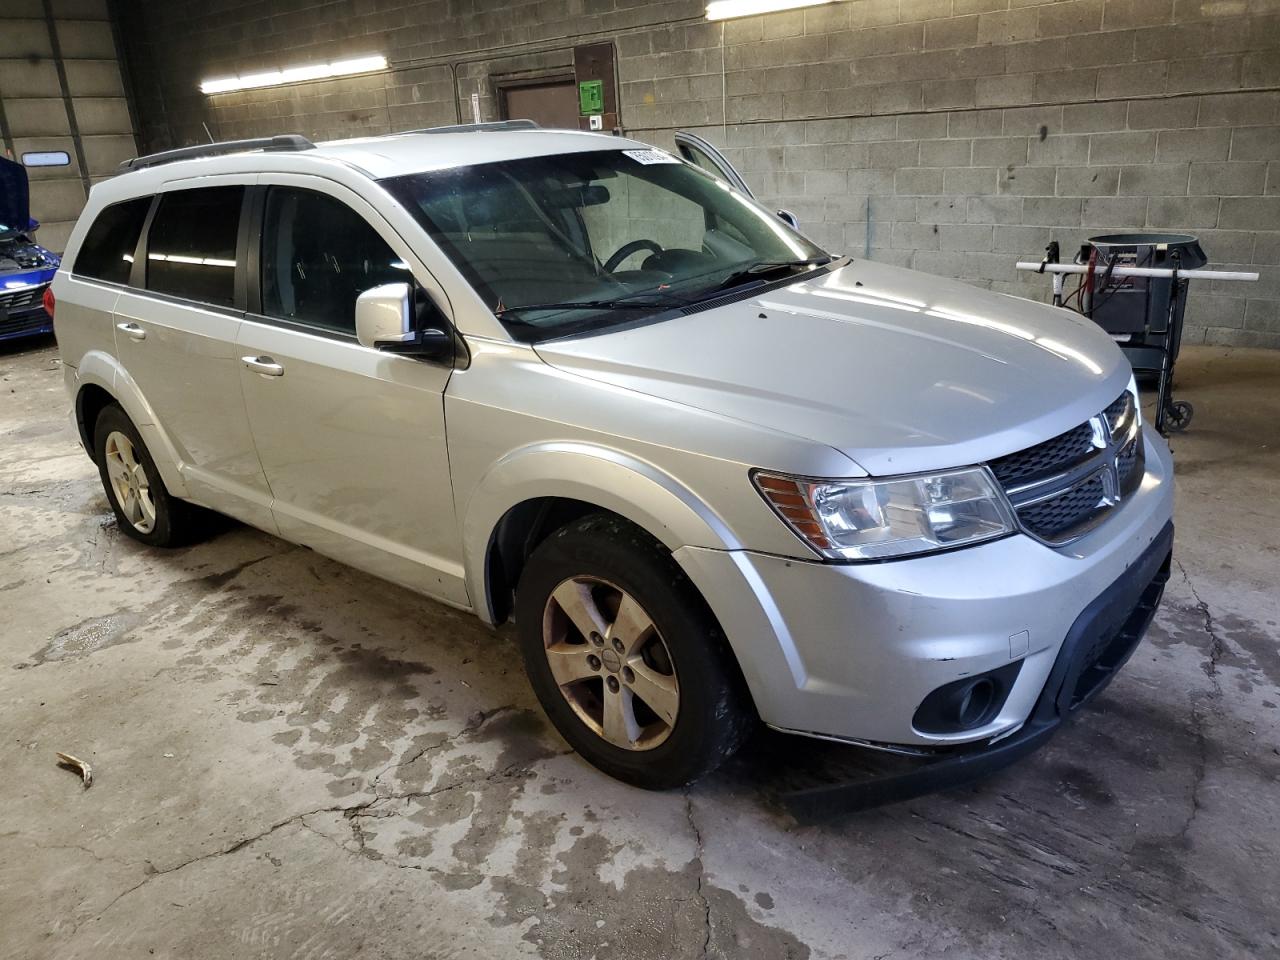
[134, 331]
[263, 365]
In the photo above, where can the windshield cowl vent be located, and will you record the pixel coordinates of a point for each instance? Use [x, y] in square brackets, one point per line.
[736, 296]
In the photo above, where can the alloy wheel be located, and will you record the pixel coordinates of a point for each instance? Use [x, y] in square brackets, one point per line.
[610, 663]
[129, 482]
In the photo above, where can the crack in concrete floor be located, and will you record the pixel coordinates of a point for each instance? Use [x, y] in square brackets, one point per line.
[1198, 717]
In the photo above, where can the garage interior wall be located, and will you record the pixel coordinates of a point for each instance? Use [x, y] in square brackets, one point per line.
[61, 90]
[953, 136]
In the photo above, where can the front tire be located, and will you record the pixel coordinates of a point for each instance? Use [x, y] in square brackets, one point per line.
[143, 507]
[625, 657]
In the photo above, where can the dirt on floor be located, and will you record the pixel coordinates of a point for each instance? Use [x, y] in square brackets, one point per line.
[294, 759]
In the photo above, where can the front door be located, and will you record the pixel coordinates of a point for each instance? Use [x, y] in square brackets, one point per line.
[352, 439]
[177, 340]
[703, 154]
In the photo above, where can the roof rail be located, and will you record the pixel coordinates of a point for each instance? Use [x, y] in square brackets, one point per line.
[284, 142]
[486, 127]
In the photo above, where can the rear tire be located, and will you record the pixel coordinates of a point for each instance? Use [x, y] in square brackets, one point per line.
[644, 685]
[144, 509]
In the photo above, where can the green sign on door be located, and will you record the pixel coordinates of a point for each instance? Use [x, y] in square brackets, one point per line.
[591, 97]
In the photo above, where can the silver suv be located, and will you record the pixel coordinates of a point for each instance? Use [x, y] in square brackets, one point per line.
[716, 474]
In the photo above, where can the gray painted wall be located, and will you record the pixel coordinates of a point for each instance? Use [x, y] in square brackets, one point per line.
[61, 89]
[954, 136]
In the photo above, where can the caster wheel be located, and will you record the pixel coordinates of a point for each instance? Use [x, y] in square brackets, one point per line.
[1179, 416]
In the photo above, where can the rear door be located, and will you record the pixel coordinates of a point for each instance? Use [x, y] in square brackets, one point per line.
[176, 326]
[352, 439]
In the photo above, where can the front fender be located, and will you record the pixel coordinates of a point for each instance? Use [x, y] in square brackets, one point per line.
[628, 486]
[103, 370]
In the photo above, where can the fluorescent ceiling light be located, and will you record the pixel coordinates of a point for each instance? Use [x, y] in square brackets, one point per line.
[727, 9]
[313, 71]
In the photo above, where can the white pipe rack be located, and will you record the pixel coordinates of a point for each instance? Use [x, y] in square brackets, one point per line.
[1036, 267]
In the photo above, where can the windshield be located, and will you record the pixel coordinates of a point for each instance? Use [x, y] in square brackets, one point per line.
[581, 241]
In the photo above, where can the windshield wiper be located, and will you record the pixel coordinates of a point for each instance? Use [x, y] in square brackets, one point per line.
[633, 301]
[761, 269]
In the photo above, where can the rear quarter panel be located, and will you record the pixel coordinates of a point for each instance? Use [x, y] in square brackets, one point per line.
[83, 317]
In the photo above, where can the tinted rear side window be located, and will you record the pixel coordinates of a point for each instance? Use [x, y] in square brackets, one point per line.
[191, 247]
[107, 251]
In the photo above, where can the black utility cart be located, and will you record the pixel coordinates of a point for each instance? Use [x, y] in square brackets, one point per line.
[1144, 314]
[1134, 286]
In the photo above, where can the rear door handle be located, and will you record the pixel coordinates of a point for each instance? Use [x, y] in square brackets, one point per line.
[263, 365]
[134, 331]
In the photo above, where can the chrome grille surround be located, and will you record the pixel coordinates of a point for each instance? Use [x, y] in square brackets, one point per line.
[1065, 487]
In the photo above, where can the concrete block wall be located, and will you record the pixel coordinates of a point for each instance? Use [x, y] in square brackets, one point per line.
[953, 136]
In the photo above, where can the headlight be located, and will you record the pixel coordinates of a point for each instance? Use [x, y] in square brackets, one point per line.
[877, 519]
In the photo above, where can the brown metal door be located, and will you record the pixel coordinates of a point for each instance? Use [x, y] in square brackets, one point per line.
[553, 104]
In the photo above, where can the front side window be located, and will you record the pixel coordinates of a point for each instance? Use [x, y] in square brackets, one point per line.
[318, 256]
[191, 246]
[107, 251]
[579, 242]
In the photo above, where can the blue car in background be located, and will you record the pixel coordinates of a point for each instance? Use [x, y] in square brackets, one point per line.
[25, 267]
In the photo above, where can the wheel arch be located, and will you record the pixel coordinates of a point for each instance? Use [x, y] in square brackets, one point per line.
[91, 400]
[532, 492]
[100, 381]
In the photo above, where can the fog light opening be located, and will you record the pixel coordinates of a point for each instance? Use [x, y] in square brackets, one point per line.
[976, 702]
[967, 703]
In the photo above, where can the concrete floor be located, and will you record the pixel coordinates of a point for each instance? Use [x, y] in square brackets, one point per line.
[293, 759]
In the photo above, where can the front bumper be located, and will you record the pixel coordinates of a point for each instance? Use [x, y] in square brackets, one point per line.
[22, 311]
[28, 323]
[1099, 643]
[849, 651]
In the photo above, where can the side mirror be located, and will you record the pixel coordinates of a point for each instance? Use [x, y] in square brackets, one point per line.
[385, 320]
[789, 218]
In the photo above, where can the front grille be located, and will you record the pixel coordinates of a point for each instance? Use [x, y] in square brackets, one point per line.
[23, 299]
[1120, 407]
[1049, 519]
[1045, 459]
[36, 321]
[1061, 488]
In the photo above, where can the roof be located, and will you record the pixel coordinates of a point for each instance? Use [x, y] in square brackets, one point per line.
[395, 154]
[414, 152]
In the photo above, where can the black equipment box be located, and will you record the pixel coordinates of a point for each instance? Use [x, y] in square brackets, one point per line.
[1143, 314]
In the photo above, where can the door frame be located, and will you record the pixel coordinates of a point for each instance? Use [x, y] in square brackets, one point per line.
[502, 85]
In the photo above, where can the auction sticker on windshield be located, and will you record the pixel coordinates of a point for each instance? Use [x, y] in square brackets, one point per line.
[650, 156]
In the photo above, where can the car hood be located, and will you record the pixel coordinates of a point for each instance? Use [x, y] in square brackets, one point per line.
[15, 199]
[899, 370]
